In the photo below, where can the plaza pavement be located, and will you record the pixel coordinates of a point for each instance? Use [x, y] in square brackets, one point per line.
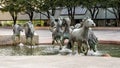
[58, 61]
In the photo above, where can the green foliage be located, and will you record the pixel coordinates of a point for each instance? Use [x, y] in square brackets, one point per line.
[29, 6]
[71, 3]
[6, 23]
[22, 22]
[13, 7]
[38, 23]
[10, 23]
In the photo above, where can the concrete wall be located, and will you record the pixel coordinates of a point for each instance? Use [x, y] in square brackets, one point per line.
[8, 39]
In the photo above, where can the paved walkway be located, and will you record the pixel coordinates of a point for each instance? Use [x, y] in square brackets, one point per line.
[58, 62]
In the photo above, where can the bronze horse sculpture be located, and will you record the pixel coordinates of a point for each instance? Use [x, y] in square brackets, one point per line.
[56, 34]
[29, 32]
[56, 29]
[66, 31]
[81, 36]
[17, 28]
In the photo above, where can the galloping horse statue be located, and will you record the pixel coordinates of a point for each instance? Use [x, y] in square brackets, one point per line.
[66, 31]
[54, 22]
[56, 29]
[29, 31]
[92, 40]
[56, 34]
[17, 28]
[81, 36]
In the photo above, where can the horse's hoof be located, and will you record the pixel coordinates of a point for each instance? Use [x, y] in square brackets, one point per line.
[85, 54]
[60, 48]
[94, 50]
[52, 42]
[73, 53]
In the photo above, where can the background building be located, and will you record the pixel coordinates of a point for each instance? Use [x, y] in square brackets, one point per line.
[104, 17]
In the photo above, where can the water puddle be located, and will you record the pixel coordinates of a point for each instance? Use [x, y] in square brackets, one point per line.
[26, 50]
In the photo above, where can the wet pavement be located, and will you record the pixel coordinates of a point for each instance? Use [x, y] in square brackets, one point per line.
[58, 62]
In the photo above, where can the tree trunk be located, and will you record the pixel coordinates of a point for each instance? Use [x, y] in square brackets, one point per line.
[30, 14]
[48, 16]
[71, 13]
[14, 17]
[91, 13]
[94, 12]
[119, 15]
[53, 12]
[116, 15]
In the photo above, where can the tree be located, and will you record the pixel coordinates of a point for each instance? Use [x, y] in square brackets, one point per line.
[47, 7]
[92, 6]
[29, 8]
[71, 6]
[115, 4]
[13, 7]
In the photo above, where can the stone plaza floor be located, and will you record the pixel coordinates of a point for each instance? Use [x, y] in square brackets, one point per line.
[58, 62]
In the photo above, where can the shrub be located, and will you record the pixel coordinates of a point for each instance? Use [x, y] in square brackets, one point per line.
[6, 23]
[38, 23]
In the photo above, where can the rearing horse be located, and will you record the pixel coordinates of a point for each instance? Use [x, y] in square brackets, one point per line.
[29, 31]
[57, 32]
[80, 35]
[67, 30]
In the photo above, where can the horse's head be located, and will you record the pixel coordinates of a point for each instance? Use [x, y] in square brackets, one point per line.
[66, 21]
[52, 21]
[60, 20]
[29, 28]
[17, 28]
[88, 22]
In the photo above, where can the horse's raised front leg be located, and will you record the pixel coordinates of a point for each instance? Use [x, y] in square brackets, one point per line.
[59, 43]
[62, 40]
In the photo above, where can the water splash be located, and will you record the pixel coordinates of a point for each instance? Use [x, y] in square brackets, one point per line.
[92, 53]
[65, 51]
[21, 44]
[51, 50]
